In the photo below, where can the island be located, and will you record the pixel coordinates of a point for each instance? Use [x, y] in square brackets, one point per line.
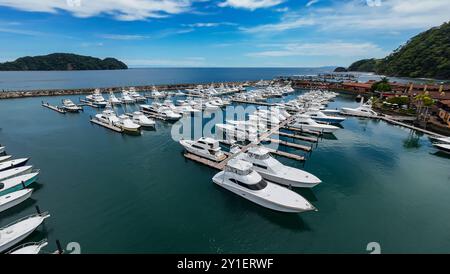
[427, 55]
[62, 61]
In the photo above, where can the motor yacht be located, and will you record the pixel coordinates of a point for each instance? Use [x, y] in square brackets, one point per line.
[113, 100]
[13, 163]
[108, 116]
[240, 178]
[322, 117]
[305, 122]
[17, 183]
[17, 231]
[204, 147]
[168, 114]
[127, 125]
[10, 173]
[15, 198]
[142, 120]
[69, 106]
[126, 98]
[274, 171]
[364, 110]
[240, 133]
[97, 99]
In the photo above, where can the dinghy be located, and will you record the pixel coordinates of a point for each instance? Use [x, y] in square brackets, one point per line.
[29, 248]
[5, 158]
[10, 173]
[14, 233]
[15, 198]
[13, 164]
[17, 183]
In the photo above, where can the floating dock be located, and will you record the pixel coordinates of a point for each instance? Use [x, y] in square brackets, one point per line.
[108, 126]
[294, 129]
[394, 122]
[252, 103]
[55, 108]
[287, 144]
[207, 162]
[87, 103]
[298, 137]
[286, 154]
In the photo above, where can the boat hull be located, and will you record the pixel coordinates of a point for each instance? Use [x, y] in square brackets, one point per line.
[286, 181]
[11, 201]
[19, 186]
[13, 165]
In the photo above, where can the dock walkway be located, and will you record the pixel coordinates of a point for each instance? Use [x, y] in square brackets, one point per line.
[55, 108]
[394, 122]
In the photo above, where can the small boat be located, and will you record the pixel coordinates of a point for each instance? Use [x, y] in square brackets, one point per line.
[271, 169]
[443, 147]
[29, 248]
[305, 122]
[142, 120]
[13, 163]
[5, 158]
[2, 149]
[70, 106]
[15, 198]
[364, 110]
[17, 231]
[10, 173]
[17, 183]
[205, 147]
[239, 178]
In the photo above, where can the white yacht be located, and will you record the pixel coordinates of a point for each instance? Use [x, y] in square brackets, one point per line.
[305, 122]
[167, 114]
[13, 163]
[241, 133]
[108, 116]
[142, 120]
[113, 100]
[239, 178]
[274, 171]
[322, 117]
[205, 147]
[17, 183]
[17, 231]
[126, 124]
[266, 119]
[136, 96]
[10, 173]
[2, 149]
[443, 147]
[5, 158]
[69, 106]
[97, 99]
[126, 98]
[10, 200]
[29, 248]
[364, 110]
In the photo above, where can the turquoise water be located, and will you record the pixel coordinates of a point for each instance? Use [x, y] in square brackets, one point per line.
[115, 193]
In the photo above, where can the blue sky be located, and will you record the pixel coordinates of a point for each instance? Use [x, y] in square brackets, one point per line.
[216, 33]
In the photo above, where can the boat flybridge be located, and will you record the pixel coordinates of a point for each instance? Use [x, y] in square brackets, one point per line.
[70, 106]
[29, 248]
[13, 163]
[205, 147]
[272, 170]
[97, 99]
[305, 122]
[15, 198]
[364, 110]
[17, 231]
[136, 96]
[240, 178]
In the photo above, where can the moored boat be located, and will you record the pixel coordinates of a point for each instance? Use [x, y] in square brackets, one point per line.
[17, 183]
[10, 173]
[15, 198]
[13, 163]
[29, 248]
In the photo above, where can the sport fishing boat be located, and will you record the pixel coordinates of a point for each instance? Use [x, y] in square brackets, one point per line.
[240, 133]
[15, 198]
[97, 99]
[139, 118]
[364, 110]
[126, 98]
[136, 96]
[17, 231]
[10, 173]
[305, 122]
[17, 183]
[322, 117]
[5, 158]
[113, 100]
[29, 248]
[126, 124]
[240, 178]
[204, 147]
[13, 163]
[271, 169]
[70, 106]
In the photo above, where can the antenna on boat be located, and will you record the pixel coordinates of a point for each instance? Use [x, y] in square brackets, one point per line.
[38, 210]
[23, 184]
[58, 245]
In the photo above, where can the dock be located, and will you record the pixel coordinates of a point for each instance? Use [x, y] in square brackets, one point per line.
[55, 108]
[286, 154]
[294, 129]
[296, 136]
[108, 126]
[252, 103]
[287, 144]
[207, 162]
[398, 123]
[87, 103]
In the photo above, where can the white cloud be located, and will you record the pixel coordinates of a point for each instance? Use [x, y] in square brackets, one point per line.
[250, 4]
[311, 2]
[339, 49]
[127, 10]
[209, 25]
[390, 15]
[123, 36]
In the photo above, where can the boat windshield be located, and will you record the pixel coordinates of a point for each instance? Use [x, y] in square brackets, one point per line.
[258, 186]
[2, 185]
[260, 157]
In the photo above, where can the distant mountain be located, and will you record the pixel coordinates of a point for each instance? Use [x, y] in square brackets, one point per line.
[426, 55]
[340, 69]
[62, 61]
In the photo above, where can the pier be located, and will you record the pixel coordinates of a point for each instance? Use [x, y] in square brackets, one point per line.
[398, 123]
[286, 154]
[55, 108]
[287, 144]
[252, 103]
[108, 126]
[297, 136]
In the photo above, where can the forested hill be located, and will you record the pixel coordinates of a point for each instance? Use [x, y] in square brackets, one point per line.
[62, 61]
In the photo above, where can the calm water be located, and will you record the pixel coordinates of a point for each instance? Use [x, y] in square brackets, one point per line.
[137, 77]
[114, 193]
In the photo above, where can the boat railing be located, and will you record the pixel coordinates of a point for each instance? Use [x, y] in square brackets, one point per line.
[41, 243]
[43, 214]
